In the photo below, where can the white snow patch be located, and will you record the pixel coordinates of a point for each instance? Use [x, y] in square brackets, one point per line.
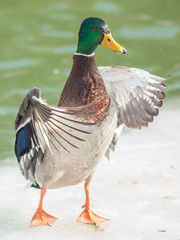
[139, 190]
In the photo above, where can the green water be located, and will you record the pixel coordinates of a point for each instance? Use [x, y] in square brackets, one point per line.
[38, 39]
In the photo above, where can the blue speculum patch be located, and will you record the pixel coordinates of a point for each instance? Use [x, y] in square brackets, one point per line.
[23, 141]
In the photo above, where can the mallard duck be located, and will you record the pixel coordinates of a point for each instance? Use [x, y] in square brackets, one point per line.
[61, 145]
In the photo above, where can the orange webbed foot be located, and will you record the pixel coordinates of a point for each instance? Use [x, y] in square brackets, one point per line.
[89, 217]
[42, 218]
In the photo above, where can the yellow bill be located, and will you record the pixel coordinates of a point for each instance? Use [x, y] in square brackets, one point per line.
[110, 43]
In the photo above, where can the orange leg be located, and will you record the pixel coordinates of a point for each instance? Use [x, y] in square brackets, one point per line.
[41, 217]
[88, 216]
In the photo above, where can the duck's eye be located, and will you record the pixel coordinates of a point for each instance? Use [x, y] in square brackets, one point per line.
[92, 27]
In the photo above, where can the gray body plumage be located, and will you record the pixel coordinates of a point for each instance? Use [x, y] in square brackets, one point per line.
[64, 168]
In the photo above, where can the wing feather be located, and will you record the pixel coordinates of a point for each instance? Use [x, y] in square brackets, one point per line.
[40, 126]
[136, 95]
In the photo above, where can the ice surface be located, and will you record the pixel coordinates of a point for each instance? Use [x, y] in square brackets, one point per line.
[139, 190]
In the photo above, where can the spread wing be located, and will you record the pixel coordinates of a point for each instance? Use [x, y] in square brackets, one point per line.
[40, 126]
[136, 94]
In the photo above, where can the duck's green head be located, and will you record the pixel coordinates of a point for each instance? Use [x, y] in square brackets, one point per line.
[93, 32]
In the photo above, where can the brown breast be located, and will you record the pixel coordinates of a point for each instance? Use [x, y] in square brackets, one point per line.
[85, 85]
